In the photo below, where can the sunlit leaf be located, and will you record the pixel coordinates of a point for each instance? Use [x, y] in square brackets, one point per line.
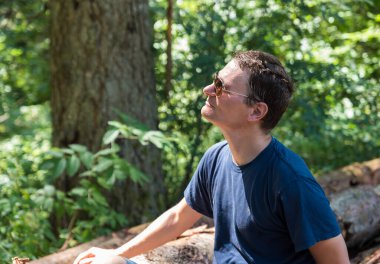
[102, 165]
[110, 136]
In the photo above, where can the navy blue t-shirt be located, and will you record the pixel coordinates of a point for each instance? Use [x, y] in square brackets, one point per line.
[270, 210]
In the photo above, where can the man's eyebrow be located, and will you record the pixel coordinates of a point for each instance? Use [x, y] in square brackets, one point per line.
[217, 75]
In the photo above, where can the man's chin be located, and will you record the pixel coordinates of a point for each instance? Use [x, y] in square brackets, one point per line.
[208, 116]
[206, 112]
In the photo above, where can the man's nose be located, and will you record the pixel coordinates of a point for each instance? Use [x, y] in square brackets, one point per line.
[209, 90]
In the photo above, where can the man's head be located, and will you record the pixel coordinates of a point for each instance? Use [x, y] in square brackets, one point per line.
[268, 83]
[253, 86]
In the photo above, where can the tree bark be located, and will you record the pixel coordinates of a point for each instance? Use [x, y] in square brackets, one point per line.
[101, 60]
[370, 256]
[197, 248]
[358, 213]
[354, 192]
[169, 60]
[366, 173]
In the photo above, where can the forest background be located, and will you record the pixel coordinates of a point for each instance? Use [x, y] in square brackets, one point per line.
[58, 190]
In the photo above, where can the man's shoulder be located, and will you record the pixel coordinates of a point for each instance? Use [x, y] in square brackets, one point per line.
[289, 162]
[217, 149]
[285, 152]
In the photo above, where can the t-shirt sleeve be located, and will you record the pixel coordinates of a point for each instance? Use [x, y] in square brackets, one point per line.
[307, 213]
[198, 192]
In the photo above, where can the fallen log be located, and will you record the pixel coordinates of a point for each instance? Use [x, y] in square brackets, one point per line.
[195, 236]
[17, 260]
[195, 248]
[370, 256]
[366, 173]
[358, 213]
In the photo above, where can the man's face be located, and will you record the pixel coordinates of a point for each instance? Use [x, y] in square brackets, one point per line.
[229, 109]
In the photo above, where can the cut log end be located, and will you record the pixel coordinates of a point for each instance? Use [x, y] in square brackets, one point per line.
[17, 260]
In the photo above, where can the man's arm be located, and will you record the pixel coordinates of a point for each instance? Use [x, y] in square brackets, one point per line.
[332, 250]
[165, 228]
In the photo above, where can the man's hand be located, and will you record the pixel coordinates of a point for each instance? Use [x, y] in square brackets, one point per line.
[95, 255]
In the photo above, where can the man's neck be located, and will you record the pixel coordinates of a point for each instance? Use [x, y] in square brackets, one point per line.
[246, 145]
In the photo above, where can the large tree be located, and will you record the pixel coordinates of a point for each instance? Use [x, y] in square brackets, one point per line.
[101, 60]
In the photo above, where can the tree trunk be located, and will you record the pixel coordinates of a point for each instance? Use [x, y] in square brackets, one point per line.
[101, 60]
[169, 60]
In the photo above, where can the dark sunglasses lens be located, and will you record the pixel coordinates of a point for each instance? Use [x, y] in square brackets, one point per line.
[218, 86]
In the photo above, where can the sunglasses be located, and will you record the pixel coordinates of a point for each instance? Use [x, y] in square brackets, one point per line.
[219, 87]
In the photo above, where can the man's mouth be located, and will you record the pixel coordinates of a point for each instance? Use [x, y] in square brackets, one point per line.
[208, 104]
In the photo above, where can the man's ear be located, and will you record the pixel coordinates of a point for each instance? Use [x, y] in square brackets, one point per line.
[258, 111]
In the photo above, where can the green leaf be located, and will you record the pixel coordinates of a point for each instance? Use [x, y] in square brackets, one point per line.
[55, 153]
[122, 165]
[137, 175]
[103, 165]
[60, 168]
[68, 151]
[88, 173]
[78, 148]
[130, 121]
[111, 181]
[155, 137]
[87, 159]
[85, 183]
[49, 190]
[4, 180]
[48, 203]
[99, 198]
[116, 124]
[107, 184]
[78, 191]
[115, 147]
[110, 136]
[73, 165]
[120, 175]
[47, 165]
[105, 152]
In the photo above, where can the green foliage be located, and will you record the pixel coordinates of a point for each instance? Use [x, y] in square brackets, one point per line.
[330, 51]
[28, 169]
[330, 48]
[98, 173]
[24, 221]
[24, 74]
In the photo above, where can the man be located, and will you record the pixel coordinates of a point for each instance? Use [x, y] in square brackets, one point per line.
[266, 205]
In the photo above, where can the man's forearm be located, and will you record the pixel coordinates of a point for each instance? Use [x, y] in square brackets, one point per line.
[159, 232]
[165, 228]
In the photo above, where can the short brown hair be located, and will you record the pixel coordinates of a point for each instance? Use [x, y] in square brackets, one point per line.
[268, 83]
